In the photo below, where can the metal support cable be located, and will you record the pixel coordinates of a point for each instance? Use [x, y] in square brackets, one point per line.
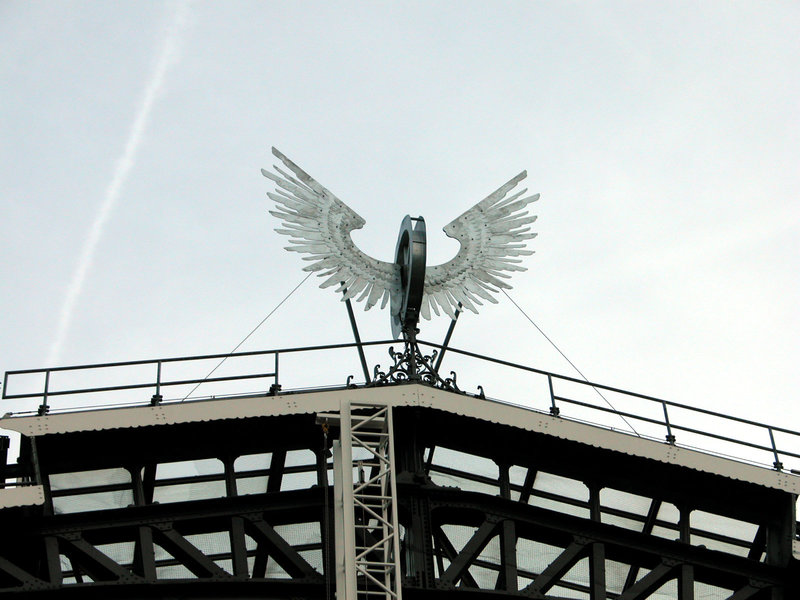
[239, 345]
[553, 344]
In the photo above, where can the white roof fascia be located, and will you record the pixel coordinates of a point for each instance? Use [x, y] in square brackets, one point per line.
[30, 495]
[400, 395]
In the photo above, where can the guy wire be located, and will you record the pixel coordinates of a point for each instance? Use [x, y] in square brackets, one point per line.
[264, 320]
[553, 344]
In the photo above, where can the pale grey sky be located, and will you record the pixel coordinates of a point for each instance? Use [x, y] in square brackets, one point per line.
[664, 139]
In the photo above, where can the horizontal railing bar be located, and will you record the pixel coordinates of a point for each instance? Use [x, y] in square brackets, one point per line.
[113, 388]
[611, 411]
[737, 441]
[136, 386]
[674, 426]
[609, 388]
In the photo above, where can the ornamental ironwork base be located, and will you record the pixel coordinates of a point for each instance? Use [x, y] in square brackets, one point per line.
[411, 365]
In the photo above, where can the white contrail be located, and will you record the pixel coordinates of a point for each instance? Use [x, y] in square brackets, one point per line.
[168, 55]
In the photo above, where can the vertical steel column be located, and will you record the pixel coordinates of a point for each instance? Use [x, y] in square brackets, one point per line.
[597, 551]
[781, 531]
[367, 550]
[343, 510]
[412, 467]
[507, 578]
[4, 444]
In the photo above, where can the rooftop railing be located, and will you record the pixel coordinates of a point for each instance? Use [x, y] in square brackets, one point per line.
[264, 373]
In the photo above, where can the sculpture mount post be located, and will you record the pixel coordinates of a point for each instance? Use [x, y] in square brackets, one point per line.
[410, 256]
[411, 364]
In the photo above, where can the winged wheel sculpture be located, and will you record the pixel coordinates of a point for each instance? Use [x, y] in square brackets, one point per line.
[493, 235]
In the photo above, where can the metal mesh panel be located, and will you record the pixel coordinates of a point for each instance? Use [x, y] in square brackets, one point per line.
[565, 593]
[198, 490]
[211, 544]
[186, 489]
[252, 462]
[563, 486]
[88, 501]
[121, 553]
[534, 557]
[668, 591]
[485, 578]
[578, 574]
[616, 572]
[251, 485]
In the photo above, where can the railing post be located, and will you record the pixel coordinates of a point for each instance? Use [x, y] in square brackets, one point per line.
[275, 387]
[43, 408]
[554, 410]
[157, 397]
[670, 437]
[777, 464]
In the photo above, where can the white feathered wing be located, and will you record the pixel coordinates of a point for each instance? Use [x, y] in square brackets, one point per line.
[319, 224]
[492, 234]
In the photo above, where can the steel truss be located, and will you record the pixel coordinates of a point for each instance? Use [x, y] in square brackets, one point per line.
[576, 541]
[75, 547]
[511, 545]
[408, 529]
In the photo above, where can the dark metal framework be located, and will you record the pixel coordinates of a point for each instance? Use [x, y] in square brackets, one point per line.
[485, 531]
[643, 552]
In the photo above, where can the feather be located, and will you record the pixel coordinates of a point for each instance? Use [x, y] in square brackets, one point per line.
[346, 284]
[355, 288]
[374, 295]
[366, 293]
[333, 279]
[299, 184]
[386, 295]
[425, 308]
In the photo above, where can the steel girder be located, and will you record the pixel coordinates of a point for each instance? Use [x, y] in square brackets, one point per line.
[40, 551]
[37, 564]
[498, 531]
[577, 539]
